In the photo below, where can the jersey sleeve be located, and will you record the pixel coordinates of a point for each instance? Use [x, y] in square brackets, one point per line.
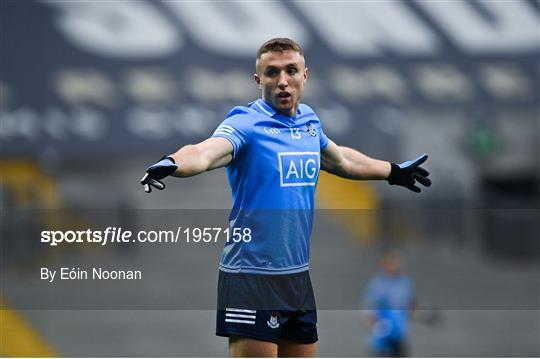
[323, 140]
[236, 128]
[370, 296]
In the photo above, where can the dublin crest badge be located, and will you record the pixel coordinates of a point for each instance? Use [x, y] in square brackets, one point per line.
[273, 322]
[311, 130]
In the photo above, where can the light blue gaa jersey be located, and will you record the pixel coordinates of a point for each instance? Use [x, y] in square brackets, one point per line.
[273, 177]
[390, 299]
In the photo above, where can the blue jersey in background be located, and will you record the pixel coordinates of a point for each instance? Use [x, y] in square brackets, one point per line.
[390, 299]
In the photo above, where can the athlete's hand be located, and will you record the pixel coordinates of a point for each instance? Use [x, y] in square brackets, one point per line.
[159, 170]
[406, 174]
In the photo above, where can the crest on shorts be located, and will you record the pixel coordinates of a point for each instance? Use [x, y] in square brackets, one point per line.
[312, 131]
[273, 322]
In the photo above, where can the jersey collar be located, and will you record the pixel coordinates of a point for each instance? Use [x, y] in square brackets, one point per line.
[263, 107]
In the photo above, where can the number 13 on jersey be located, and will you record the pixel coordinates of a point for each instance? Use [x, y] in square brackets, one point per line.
[295, 133]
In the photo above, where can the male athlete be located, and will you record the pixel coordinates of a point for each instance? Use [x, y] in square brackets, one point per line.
[273, 150]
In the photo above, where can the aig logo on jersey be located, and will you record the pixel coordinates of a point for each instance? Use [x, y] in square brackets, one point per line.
[298, 168]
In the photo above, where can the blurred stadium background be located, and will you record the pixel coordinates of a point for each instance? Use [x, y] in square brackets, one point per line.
[92, 92]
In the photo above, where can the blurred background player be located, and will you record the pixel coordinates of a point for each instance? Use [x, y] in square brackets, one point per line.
[389, 299]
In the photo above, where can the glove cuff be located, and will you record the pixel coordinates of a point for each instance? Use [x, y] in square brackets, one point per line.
[166, 166]
[394, 173]
[168, 158]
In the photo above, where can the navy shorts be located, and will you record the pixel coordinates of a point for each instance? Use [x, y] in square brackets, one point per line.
[267, 307]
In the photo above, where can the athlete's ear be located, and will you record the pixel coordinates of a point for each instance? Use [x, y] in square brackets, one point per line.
[257, 80]
[306, 74]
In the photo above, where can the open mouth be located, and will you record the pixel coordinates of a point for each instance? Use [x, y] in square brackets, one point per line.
[284, 94]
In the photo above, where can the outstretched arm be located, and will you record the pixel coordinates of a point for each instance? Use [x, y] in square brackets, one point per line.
[212, 153]
[348, 163]
[189, 161]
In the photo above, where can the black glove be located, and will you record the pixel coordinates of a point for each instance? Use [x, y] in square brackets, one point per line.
[163, 168]
[407, 173]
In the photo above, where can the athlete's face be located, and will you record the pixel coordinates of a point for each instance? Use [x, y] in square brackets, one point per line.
[391, 263]
[282, 75]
